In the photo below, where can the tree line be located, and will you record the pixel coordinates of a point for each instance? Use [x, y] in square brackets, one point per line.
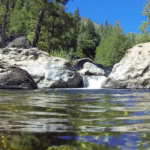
[50, 28]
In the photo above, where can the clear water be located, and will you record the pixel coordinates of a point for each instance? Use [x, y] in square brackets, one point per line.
[75, 119]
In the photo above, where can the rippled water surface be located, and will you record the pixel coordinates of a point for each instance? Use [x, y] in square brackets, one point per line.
[75, 119]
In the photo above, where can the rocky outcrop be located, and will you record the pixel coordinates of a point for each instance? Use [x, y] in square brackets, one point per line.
[92, 75]
[91, 69]
[20, 42]
[79, 63]
[47, 71]
[133, 71]
[12, 77]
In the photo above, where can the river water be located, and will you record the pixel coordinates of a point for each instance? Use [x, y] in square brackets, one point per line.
[75, 119]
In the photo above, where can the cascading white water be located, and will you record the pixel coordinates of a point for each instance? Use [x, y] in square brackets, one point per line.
[93, 82]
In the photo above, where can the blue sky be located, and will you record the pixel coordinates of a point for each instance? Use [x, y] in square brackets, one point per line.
[128, 12]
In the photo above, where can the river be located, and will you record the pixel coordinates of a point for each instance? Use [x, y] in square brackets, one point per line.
[74, 119]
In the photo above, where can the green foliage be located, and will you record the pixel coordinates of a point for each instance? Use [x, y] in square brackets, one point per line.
[42, 46]
[88, 39]
[145, 27]
[146, 24]
[25, 20]
[62, 32]
[137, 38]
[113, 46]
[79, 52]
[61, 54]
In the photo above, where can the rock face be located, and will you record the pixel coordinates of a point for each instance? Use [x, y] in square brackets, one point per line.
[20, 42]
[47, 71]
[133, 71]
[12, 77]
[80, 63]
[91, 69]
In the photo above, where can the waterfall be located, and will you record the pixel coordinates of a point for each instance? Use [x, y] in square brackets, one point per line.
[93, 82]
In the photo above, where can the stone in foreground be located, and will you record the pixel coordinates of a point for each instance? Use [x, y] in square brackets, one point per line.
[133, 71]
[48, 72]
[12, 77]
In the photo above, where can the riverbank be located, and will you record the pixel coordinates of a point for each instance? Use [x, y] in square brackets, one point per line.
[133, 71]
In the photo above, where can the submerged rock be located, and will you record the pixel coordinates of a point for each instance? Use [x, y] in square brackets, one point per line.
[47, 71]
[62, 147]
[78, 145]
[12, 77]
[133, 71]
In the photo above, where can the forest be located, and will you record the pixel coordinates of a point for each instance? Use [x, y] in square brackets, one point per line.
[48, 26]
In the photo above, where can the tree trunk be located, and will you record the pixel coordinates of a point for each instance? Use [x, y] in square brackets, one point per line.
[4, 24]
[53, 31]
[38, 29]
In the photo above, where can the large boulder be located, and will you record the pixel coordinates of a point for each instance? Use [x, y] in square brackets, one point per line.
[79, 63]
[133, 71]
[91, 69]
[20, 42]
[47, 71]
[12, 77]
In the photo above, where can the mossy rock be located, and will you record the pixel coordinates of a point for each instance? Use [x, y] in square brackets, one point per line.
[63, 147]
[82, 146]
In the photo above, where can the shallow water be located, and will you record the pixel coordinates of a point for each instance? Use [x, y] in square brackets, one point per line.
[74, 119]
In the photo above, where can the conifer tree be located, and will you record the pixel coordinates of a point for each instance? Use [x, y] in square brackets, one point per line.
[88, 39]
[113, 45]
[5, 9]
[146, 24]
[144, 36]
[43, 8]
[33, 16]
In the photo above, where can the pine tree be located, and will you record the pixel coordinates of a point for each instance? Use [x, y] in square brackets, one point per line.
[57, 33]
[145, 24]
[45, 6]
[88, 39]
[113, 46]
[33, 16]
[145, 27]
[5, 9]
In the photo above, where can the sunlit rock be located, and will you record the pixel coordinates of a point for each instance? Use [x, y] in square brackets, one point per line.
[47, 71]
[133, 71]
[79, 63]
[91, 69]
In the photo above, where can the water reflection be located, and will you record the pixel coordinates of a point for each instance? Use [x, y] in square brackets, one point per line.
[74, 119]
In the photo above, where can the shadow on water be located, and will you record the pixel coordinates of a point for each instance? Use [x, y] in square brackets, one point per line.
[74, 119]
